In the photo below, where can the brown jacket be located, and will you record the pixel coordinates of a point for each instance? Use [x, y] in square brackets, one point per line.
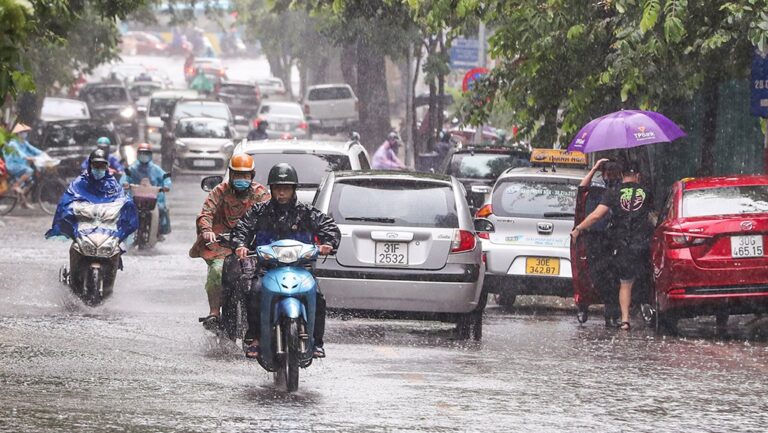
[222, 209]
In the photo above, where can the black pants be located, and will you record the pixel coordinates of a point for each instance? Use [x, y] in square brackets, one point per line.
[602, 271]
[254, 314]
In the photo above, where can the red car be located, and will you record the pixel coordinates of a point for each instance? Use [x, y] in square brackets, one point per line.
[708, 250]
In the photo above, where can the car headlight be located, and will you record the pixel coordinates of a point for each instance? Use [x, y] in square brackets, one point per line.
[287, 255]
[127, 112]
[152, 130]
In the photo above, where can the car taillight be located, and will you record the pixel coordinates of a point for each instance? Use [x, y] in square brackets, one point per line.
[306, 109]
[303, 125]
[463, 240]
[484, 211]
[684, 240]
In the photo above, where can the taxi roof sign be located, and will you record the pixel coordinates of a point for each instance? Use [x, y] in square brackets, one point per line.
[557, 156]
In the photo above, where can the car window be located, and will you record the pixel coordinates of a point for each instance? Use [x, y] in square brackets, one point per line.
[196, 128]
[393, 202]
[63, 109]
[282, 110]
[218, 111]
[140, 90]
[310, 166]
[535, 198]
[160, 106]
[241, 90]
[105, 95]
[329, 93]
[725, 201]
[56, 136]
[363, 160]
[484, 165]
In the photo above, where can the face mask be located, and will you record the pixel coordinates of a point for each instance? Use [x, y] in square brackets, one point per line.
[241, 184]
[145, 158]
[98, 174]
[24, 135]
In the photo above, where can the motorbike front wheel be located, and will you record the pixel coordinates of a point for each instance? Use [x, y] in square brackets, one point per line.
[288, 372]
[94, 287]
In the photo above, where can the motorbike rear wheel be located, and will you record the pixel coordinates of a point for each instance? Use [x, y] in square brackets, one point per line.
[7, 203]
[49, 192]
[94, 287]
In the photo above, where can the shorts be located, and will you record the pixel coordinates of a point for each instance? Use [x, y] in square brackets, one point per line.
[630, 263]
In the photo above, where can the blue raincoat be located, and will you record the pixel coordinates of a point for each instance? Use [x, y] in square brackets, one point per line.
[86, 188]
[155, 174]
[15, 154]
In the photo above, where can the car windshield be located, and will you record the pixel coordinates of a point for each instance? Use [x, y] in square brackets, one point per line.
[63, 109]
[198, 128]
[218, 111]
[293, 110]
[106, 95]
[328, 93]
[140, 90]
[535, 198]
[311, 167]
[390, 202]
[484, 165]
[56, 136]
[238, 89]
[725, 201]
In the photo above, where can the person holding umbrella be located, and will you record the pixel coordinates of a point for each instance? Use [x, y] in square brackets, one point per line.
[630, 211]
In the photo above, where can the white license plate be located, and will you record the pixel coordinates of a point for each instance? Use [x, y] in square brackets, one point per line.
[747, 246]
[392, 253]
[204, 163]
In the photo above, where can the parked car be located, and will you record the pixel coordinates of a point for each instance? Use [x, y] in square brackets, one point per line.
[284, 118]
[203, 144]
[312, 159]
[110, 102]
[478, 167]
[142, 43]
[140, 92]
[54, 109]
[408, 247]
[73, 140]
[525, 230]
[243, 98]
[708, 250]
[272, 88]
[161, 103]
[330, 108]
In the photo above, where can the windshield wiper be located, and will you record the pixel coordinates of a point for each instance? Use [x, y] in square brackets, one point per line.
[372, 219]
[558, 214]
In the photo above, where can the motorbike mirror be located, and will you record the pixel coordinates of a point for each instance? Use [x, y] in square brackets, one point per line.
[209, 182]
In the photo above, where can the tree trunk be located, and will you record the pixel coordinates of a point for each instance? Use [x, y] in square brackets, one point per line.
[711, 94]
[547, 134]
[432, 120]
[349, 65]
[414, 124]
[440, 119]
[277, 68]
[375, 122]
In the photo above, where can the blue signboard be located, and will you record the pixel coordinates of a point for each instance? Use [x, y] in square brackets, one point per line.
[759, 95]
[465, 53]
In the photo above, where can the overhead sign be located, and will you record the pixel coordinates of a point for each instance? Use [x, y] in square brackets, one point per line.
[555, 156]
[472, 76]
[759, 94]
[465, 53]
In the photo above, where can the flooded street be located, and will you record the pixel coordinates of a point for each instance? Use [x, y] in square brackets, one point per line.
[142, 363]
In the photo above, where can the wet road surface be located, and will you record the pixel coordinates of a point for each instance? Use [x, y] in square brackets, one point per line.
[142, 363]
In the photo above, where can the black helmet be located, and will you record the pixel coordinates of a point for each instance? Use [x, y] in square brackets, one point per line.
[98, 155]
[282, 174]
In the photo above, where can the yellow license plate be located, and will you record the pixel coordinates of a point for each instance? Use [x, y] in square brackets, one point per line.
[542, 266]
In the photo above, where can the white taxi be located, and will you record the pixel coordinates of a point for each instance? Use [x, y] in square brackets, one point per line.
[525, 227]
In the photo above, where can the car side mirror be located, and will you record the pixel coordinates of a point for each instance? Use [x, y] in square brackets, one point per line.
[483, 225]
[210, 182]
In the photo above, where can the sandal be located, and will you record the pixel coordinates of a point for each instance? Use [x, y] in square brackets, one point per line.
[625, 326]
[319, 352]
[253, 351]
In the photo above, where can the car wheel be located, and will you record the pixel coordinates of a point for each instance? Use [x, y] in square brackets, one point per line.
[506, 300]
[664, 322]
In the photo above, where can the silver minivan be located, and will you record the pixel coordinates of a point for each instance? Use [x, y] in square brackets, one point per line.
[407, 246]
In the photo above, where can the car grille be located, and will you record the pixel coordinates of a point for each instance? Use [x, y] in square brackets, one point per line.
[727, 290]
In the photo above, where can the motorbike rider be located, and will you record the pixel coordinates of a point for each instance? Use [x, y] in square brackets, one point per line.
[115, 167]
[19, 154]
[201, 82]
[385, 157]
[96, 186]
[259, 132]
[283, 217]
[143, 168]
[224, 206]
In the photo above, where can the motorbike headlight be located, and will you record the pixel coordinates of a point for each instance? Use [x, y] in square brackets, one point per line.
[127, 112]
[287, 255]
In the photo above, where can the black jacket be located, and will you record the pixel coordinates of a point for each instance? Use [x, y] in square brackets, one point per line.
[267, 222]
[257, 134]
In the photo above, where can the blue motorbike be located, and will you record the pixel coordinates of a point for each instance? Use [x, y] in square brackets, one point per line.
[288, 300]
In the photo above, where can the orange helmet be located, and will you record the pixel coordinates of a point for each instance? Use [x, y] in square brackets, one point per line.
[144, 147]
[242, 162]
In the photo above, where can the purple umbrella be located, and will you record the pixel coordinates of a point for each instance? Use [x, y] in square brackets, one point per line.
[625, 129]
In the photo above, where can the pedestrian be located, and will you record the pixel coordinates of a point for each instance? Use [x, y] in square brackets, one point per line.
[599, 245]
[629, 207]
[385, 157]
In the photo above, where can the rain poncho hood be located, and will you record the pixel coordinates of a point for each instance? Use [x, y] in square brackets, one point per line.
[85, 188]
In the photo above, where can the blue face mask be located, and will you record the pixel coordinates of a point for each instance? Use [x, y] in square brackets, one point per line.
[98, 174]
[24, 135]
[241, 184]
[145, 158]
